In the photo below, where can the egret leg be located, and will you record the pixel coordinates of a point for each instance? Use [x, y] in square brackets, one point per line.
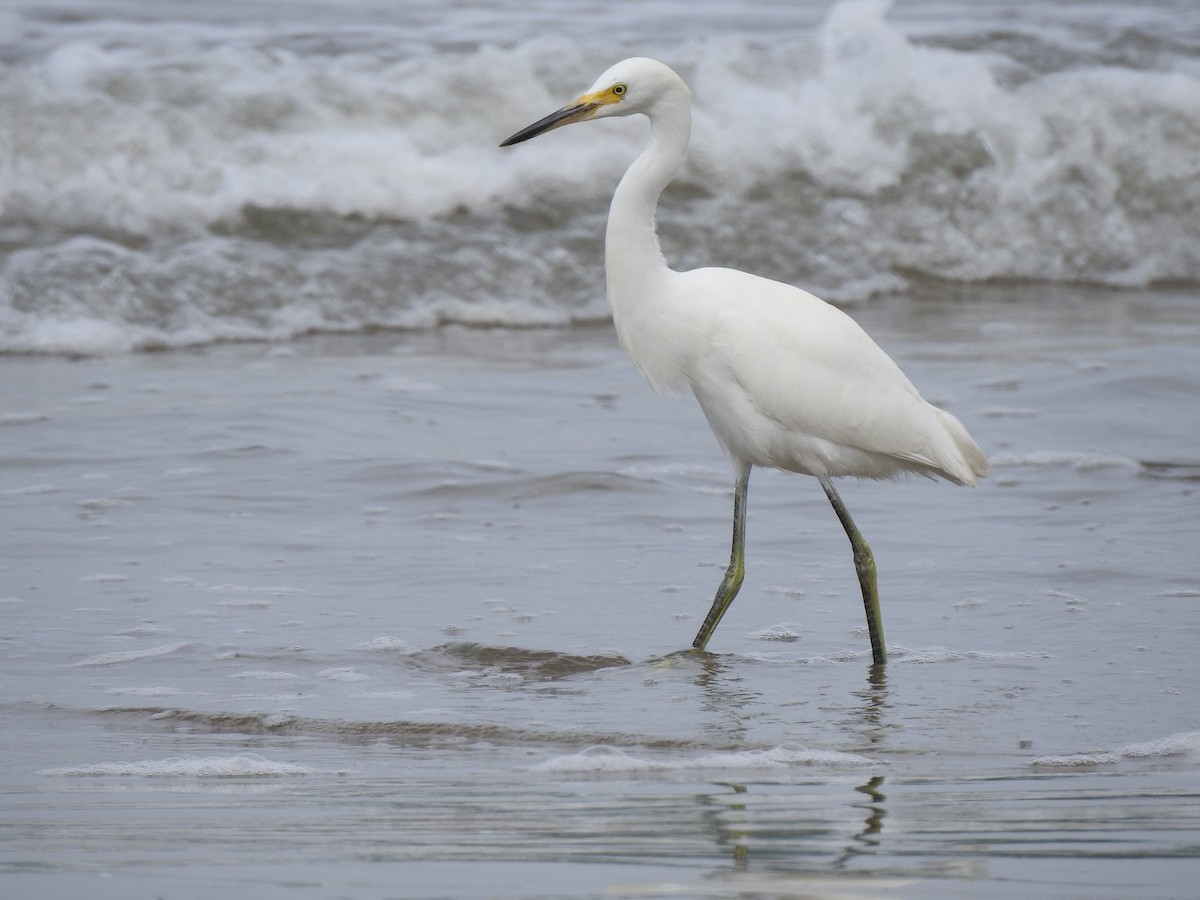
[732, 582]
[864, 565]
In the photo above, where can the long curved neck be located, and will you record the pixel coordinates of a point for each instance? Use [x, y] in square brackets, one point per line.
[632, 256]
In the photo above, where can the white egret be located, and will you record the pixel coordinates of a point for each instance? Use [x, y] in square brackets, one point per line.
[784, 379]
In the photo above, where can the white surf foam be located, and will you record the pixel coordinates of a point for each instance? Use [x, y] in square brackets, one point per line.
[388, 644]
[1184, 744]
[942, 655]
[782, 633]
[118, 657]
[605, 760]
[263, 675]
[243, 765]
[187, 184]
[1078, 460]
[145, 691]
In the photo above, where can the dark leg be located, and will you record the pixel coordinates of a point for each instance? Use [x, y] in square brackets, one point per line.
[736, 572]
[864, 564]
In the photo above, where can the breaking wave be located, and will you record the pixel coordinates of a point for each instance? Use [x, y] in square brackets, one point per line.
[176, 184]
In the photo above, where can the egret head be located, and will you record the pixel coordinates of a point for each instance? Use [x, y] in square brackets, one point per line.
[631, 86]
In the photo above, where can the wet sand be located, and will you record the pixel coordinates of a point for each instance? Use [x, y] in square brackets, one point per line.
[396, 615]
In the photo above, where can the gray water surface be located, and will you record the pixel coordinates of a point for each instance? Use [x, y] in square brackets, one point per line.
[399, 615]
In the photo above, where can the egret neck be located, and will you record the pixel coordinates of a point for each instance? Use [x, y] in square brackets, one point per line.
[635, 268]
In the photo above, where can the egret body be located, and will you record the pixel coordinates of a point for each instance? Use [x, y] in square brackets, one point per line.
[784, 379]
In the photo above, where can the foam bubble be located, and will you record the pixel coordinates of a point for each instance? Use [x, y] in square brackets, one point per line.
[388, 644]
[613, 760]
[145, 691]
[775, 633]
[942, 655]
[264, 675]
[1185, 744]
[1080, 461]
[31, 489]
[146, 629]
[275, 590]
[244, 765]
[118, 657]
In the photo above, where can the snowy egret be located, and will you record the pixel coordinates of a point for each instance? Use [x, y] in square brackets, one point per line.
[784, 379]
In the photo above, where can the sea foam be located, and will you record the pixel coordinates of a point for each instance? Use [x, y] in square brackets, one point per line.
[605, 760]
[118, 657]
[243, 765]
[1184, 744]
[182, 184]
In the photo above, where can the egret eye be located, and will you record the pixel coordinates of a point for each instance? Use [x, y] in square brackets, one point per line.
[619, 89]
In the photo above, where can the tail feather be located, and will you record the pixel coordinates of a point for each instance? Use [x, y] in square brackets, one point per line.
[968, 462]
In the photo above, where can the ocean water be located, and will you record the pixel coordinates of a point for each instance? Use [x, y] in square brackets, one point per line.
[261, 170]
[371, 580]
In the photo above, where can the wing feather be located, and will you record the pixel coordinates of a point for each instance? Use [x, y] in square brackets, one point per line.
[791, 381]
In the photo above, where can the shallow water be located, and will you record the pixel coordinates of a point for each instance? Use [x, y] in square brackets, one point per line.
[398, 614]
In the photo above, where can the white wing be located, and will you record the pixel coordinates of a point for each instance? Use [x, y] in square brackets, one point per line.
[786, 380]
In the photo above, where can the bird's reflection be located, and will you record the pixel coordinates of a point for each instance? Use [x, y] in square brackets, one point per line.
[729, 818]
[869, 717]
[866, 840]
[726, 699]
[737, 834]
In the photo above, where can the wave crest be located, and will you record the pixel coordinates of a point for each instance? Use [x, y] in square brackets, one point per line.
[219, 186]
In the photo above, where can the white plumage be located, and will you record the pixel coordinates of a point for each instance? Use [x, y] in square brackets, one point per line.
[784, 379]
